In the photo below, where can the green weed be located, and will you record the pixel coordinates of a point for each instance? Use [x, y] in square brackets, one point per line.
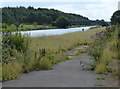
[100, 78]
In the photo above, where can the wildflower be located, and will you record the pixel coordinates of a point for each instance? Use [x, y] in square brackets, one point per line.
[2, 33]
[8, 38]
[8, 33]
[101, 35]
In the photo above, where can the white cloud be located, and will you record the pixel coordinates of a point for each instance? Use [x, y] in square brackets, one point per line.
[65, 8]
[103, 10]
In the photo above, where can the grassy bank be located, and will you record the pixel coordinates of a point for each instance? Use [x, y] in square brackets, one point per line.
[74, 26]
[64, 42]
[27, 56]
[23, 27]
[104, 50]
[26, 27]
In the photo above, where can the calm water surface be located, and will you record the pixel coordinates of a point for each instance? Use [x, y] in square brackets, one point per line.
[36, 33]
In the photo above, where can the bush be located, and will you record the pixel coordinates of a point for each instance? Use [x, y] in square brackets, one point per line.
[15, 54]
[13, 40]
[11, 43]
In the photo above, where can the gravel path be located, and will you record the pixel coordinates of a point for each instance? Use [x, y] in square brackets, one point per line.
[64, 74]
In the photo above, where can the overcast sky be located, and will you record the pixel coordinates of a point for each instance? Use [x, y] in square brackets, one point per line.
[93, 9]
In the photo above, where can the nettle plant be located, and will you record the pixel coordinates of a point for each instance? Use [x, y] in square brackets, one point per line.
[11, 44]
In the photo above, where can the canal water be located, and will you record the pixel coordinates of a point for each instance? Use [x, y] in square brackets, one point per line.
[36, 33]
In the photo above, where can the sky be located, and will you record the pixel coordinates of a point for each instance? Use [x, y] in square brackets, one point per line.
[93, 9]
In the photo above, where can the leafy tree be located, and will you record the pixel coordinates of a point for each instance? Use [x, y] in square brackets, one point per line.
[30, 8]
[62, 22]
[115, 19]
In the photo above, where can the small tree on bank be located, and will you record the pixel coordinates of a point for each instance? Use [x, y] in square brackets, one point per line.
[115, 19]
[61, 22]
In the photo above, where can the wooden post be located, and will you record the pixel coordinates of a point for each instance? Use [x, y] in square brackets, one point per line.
[42, 52]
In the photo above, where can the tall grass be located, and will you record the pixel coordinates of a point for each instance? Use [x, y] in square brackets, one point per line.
[59, 43]
[11, 70]
[105, 52]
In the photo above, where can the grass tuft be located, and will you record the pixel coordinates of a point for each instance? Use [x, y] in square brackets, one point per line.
[100, 78]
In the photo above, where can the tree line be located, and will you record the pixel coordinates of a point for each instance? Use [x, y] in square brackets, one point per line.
[44, 16]
[30, 15]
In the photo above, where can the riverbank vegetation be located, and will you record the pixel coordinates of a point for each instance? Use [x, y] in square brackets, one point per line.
[22, 54]
[104, 51]
[24, 27]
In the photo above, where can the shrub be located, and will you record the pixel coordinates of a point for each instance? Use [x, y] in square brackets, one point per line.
[13, 40]
[15, 51]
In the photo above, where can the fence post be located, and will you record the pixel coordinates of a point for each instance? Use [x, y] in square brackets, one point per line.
[41, 52]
